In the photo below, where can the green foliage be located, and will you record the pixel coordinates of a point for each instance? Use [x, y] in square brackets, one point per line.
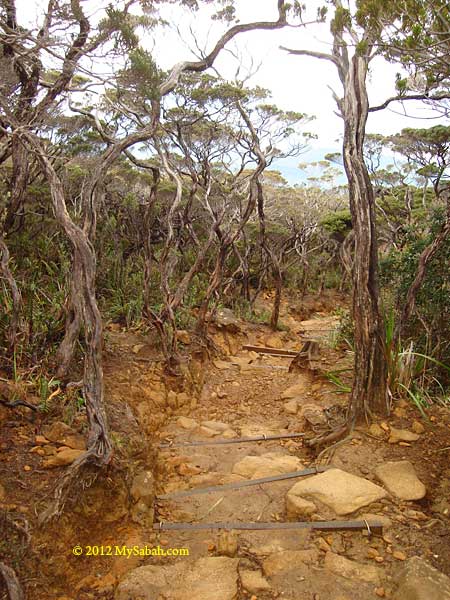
[337, 222]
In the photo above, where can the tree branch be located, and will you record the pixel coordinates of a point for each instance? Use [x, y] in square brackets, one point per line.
[422, 96]
[321, 55]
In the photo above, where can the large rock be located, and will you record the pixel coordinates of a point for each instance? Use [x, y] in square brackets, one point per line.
[402, 435]
[342, 492]
[209, 578]
[400, 479]
[351, 569]
[288, 560]
[60, 433]
[418, 580]
[266, 465]
[291, 407]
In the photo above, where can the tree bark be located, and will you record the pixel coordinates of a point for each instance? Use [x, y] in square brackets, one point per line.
[99, 448]
[369, 385]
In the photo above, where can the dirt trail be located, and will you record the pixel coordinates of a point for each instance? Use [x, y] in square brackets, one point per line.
[240, 394]
[248, 395]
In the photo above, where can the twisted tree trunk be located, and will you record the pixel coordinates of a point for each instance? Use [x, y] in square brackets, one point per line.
[99, 448]
[369, 386]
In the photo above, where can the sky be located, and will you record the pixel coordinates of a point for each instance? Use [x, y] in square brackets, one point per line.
[297, 83]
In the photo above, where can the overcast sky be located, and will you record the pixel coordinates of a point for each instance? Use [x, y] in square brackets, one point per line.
[297, 83]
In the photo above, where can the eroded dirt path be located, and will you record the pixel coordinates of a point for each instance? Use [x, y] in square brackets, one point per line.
[247, 394]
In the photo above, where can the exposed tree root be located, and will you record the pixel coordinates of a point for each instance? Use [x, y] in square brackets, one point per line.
[98, 456]
[12, 583]
[16, 403]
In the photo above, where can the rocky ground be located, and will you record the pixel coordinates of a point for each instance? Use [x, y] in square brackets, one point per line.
[394, 472]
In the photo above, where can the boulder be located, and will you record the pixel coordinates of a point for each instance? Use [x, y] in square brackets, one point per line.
[418, 580]
[400, 478]
[227, 544]
[266, 465]
[342, 492]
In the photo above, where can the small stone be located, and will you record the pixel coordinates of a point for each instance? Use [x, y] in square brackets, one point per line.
[384, 426]
[372, 553]
[402, 435]
[137, 348]
[216, 426]
[207, 432]
[291, 407]
[376, 430]
[40, 440]
[187, 423]
[417, 427]
[143, 487]
[27, 468]
[187, 469]
[400, 412]
[254, 582]
[227, 544]
[296, 390]
[401, 480]
[63, 458]
[60, 433]
[37, 450]
[399, 555]
[183, 336]
[229, 434]
[380, 592]
[323, 545]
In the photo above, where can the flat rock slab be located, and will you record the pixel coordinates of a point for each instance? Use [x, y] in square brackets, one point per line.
[342, 492]
[350, 569]
[266, 465]
[209, 578]
[400, 479]
[418, 580]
